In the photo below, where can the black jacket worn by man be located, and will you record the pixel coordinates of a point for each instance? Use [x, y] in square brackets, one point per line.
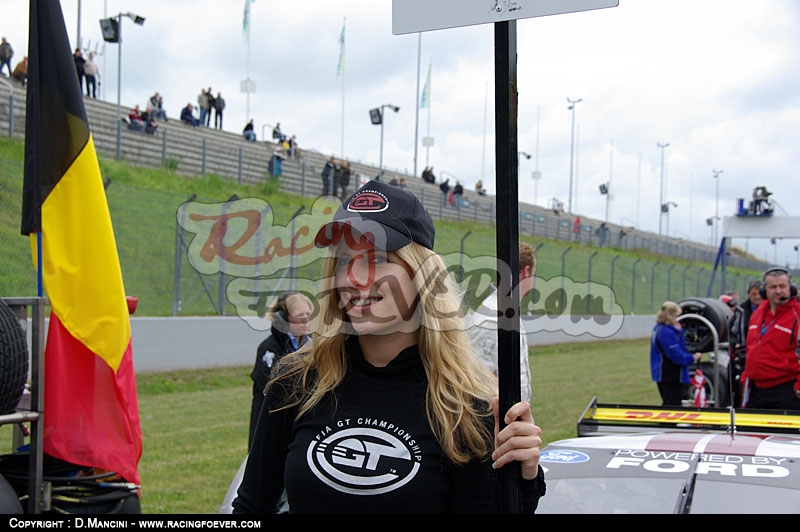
[79, 62]
[737, 339]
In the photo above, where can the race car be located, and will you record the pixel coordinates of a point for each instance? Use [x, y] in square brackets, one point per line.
[643, 459]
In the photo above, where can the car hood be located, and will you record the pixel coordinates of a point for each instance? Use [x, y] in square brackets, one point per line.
[673, 472]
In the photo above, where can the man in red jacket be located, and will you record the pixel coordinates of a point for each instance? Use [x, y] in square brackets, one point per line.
[772, 368]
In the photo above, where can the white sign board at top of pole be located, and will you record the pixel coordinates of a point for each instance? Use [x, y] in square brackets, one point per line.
[412, 16]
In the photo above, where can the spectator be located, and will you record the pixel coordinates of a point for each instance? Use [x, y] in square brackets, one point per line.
[337, 177]
[344, 180]
[276, 133]
[136, 122]
[292, 146]
[79, 66]
[209, 106]
[21, 71]
[92, 76]
[601, 232]
[219, 106]
[482, 324]
[187, 116]
[276, 164]
[150, 124]
[427, 175]
[669, 359]
[290, 317]
[157, 103]
[328, 174]
[771, 377]
[622, 234]
[249, 132]
[445, 188]
[479, 188]
[576, 228]
[458, 191]
[6, 53]
[202, 104]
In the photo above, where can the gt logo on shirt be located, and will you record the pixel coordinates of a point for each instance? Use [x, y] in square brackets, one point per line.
[364, 461]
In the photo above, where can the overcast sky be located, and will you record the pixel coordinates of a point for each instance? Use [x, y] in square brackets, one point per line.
[717, 80]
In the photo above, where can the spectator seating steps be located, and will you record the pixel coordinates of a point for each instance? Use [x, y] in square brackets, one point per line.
[231, 156]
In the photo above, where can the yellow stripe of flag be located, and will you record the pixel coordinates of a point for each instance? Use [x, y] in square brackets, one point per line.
[81, 268]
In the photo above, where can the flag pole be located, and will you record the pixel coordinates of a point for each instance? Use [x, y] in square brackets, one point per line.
[416, 107]
[483, 153]
[248, 60]
[89, 381]
[39, 280]
[428, 103]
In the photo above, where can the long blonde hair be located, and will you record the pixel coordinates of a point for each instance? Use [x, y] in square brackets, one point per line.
[460, 388]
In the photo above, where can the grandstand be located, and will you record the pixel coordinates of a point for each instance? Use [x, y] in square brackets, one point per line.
[199, 151]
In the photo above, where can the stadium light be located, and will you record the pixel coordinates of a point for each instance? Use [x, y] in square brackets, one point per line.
[112, 32]
[376, 116]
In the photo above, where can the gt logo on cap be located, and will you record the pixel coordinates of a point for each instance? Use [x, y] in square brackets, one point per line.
[368, 201]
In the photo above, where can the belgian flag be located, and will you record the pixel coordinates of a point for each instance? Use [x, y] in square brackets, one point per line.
[91, 411]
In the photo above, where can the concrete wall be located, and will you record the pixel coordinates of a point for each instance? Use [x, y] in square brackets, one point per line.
[180, 343]
[162, 344]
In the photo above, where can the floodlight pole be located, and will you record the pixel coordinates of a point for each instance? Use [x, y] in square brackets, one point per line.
[716, 208]
[140, 21]
[661, 188]
[572, 104]
[395, 109]
[119, 86]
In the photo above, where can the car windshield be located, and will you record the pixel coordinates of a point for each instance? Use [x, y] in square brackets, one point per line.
[715, 497]
[618, 495]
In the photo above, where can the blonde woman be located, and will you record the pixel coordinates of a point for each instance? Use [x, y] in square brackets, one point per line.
[669, 359]
[388, 411]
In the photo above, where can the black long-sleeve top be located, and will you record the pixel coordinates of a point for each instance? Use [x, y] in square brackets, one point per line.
[367, 448]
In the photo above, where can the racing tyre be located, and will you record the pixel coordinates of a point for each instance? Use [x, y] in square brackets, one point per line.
[13, 360]
[9, 501]
[699, 338]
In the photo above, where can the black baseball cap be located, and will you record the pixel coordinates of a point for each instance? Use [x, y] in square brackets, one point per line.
[390, 218]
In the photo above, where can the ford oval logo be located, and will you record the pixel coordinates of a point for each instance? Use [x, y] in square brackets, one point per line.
[564, 456]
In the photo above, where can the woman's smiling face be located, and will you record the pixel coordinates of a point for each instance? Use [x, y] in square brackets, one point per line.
[376, 291]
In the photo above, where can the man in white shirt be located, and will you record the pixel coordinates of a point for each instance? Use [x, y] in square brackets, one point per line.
[482, 324]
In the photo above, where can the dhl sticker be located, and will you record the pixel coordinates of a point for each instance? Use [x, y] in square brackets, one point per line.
[704, 418]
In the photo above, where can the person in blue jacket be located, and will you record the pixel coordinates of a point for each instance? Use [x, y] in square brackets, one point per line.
[669, 358]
